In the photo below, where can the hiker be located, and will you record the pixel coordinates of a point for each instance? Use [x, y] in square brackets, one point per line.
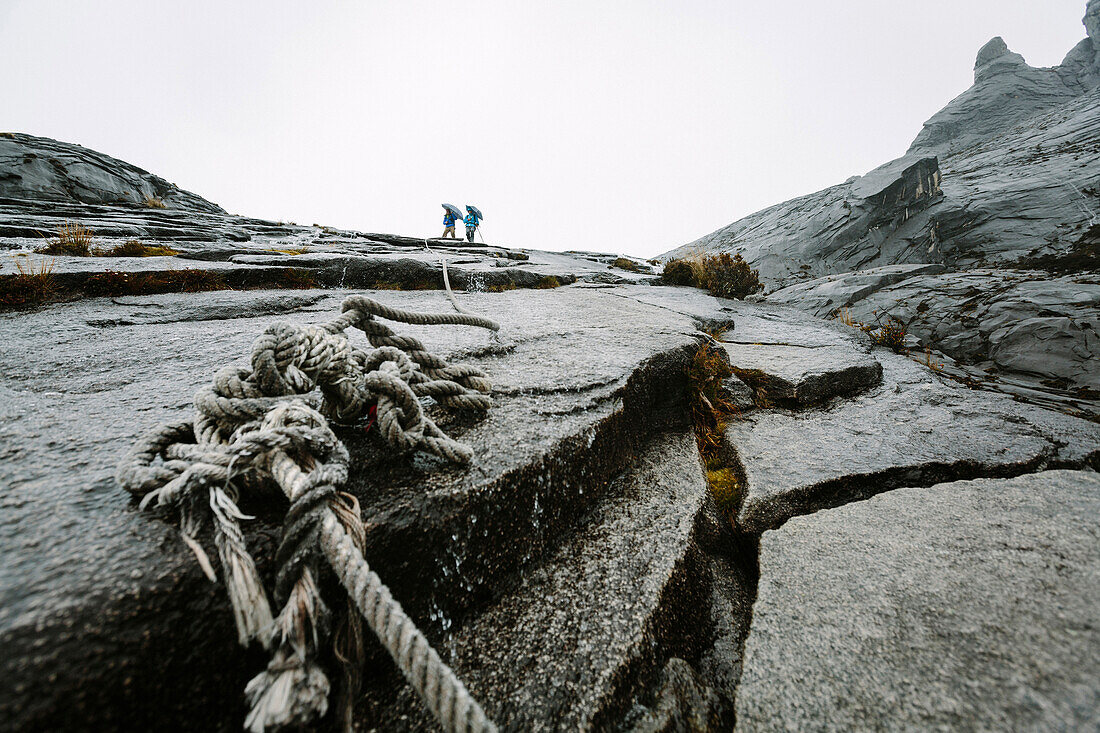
[471, 221]
[449, 220]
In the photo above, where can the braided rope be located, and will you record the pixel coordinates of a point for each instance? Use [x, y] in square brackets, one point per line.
[255, 427]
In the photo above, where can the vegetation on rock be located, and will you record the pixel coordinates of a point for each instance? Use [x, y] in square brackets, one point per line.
[710, 410]
[624, 263]
[146, 283]
[72, 239]
[153, 202]
[31, 285]
[724, 275]
[134, 248]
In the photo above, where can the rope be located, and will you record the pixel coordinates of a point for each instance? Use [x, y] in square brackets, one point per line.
[260, 426]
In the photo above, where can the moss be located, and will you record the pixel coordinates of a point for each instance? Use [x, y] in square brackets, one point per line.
[31, 285]
[72, 239]
[292, 252]
[547, 282]
[500, 287]
[725, 487]
[134, 248]
[112, 283]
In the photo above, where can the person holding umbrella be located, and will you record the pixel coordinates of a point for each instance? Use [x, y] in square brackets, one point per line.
[450, 216]
[472, 220]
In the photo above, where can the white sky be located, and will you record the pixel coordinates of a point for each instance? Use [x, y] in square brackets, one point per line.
[627, 127]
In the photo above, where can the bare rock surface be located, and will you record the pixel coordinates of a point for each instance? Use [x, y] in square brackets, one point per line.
[1023, 322]
[804, 375]
[569, 645]
[45, 169]
[970, 605]
[916, 428]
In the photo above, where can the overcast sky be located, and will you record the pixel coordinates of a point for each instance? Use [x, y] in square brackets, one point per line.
[628, 127]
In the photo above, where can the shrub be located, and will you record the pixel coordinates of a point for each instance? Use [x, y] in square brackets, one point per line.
[890, 334]
[153, 202]
[724, 275]
[730, 276]
[681, 272]
[134, 248]
[629, 265]
[547, 282]
[72, 239]
[29, 286]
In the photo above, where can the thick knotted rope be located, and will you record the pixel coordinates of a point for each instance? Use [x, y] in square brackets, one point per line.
[257, 430]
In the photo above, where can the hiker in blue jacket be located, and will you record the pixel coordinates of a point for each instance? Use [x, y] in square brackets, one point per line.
[471, 222]
[449, 220]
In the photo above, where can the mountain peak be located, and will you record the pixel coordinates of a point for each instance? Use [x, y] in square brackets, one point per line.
[994, 58]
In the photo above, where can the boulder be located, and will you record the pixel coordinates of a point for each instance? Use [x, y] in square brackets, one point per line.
[971, 605]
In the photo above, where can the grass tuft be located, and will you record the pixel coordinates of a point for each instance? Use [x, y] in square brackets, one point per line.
[152, 202]
[31, 285]
[72, 239]
[500, 287]
[134, 248]
[710, 411]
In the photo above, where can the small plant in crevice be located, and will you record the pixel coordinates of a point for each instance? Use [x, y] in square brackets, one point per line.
[890, 334]
[72, 239]
[152, 202]
[30, 285]
[710, 411]
[930, 361]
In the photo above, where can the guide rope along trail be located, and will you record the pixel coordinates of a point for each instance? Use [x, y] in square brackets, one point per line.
[255, 427]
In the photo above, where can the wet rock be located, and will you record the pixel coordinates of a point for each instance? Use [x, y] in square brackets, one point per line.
[685, 704]
[587, 628]
[44, 169]
[965, 606]
[739, 394]
[916, 428]
[804, 375]
[1017, 321]
[105, 617]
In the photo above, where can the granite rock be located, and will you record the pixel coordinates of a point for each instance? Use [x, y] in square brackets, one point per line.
[971, 605]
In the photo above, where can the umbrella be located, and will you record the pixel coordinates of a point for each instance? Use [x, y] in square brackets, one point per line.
[454, 210]
[476, 211]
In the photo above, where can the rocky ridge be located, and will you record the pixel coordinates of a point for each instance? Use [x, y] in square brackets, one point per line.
[999, 186]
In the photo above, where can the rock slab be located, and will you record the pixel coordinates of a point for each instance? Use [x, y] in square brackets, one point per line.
[972, 605]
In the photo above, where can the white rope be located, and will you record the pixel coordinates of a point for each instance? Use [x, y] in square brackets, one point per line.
[254, 427]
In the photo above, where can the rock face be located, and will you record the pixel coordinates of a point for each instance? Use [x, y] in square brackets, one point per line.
[965, 606]
[1005, 174]
[39, 168]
